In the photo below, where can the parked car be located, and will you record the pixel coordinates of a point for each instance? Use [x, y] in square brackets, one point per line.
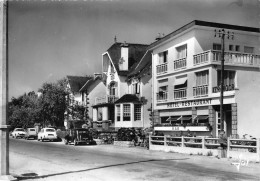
[47, 134]
[18, 133]
[31, 133]
[79, 135]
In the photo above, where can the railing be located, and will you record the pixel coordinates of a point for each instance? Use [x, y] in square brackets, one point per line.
[105, 99]
[244, 145]
[162, 68]
[193, 142]
[200, 90]
[162, 96]
[180, 63]
[236, 58]
[180, 93]
[201, 58]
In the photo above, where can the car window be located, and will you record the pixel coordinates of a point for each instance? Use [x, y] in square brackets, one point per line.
[50, 130]
[32, 129]
[19, 129]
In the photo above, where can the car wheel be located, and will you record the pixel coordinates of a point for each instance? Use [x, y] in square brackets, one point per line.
[41, 139]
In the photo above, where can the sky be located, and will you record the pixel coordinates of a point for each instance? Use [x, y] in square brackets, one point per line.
[48, 40]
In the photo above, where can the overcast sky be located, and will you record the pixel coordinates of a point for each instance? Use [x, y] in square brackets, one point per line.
[49, 40]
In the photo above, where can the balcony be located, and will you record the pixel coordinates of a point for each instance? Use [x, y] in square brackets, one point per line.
[162, 68]
[200, 91]
[162, 96]
[105, 99]
[180, 63]
[232, 58]
[180, 93]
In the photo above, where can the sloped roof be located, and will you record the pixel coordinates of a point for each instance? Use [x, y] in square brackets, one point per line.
[203, 23]
[128, 98]
[135, 53]
[142, 66]
[76, 82]
[89, 83]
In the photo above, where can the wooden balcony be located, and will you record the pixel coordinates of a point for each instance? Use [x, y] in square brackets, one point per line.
[180, 63]
[180, 93]
[162, 96]
[200, 91]
[231, 58]
[105, 99]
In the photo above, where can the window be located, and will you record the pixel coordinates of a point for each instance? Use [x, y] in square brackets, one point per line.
[231, 48]
[216, 46]
[136, 88]
[248, 49]
[126, 112]
[229, 78]
[118, 112]
[137, 113]
[237, 48]
[113, 89]
[202, 78]
[182, 51]
[163, 57]
[163, 89]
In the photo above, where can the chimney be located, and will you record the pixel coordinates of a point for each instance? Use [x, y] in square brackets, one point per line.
[97, 75]
[123, 62]
[115, 40]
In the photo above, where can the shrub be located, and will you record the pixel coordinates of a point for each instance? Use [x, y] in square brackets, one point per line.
[210, 153]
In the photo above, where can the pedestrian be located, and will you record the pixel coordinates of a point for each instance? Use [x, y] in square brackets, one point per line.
[223, 139]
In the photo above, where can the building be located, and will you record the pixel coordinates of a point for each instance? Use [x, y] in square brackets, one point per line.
[93, 88]
[117, 63]
[186, 78]
[132, 109]
[74, 115]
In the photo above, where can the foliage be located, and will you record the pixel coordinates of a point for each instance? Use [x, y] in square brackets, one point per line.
[47, 109]
[126, 134]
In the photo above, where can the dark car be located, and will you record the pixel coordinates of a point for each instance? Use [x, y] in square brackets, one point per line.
[77, 136]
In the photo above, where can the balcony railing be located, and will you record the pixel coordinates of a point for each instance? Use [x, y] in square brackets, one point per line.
[235, 58]
[180, 93]
[200, 90]
[105, 99]
[180, 63]
[201, 58]
[162, 96]
[162, 68]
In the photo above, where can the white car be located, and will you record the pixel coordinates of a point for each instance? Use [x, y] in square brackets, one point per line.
[18, 133]
[47, 134]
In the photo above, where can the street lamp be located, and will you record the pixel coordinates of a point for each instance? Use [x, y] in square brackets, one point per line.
[229, 35]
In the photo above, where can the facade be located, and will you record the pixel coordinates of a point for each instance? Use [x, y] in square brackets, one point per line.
[131, 110]
[186, 80]
[75, 100]
[117, 63]
[90, 90]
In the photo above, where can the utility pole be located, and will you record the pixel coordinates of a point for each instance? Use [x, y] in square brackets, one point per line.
[229, 35]
[4, 128]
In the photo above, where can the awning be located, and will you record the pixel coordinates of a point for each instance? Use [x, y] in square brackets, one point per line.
[201, 117]
[184, 118]
[180, 81]
[172, 119]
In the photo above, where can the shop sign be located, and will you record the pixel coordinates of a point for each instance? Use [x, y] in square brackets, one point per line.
[191, 103]
[226, 88]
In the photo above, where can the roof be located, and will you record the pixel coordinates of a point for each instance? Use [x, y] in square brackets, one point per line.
[142, 66]
[206, 24]
[89, 83]
[128, 98]
[76, 82]
[136, 52]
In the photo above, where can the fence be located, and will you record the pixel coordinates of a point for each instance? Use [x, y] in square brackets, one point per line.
[206, 146]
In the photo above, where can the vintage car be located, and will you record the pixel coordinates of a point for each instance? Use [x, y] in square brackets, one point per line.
[47, 134]
[18, 133]
[31, 133]
[77, 136]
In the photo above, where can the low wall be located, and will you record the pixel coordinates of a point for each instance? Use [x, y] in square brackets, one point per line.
[185, 150]
[124, 143]
[99, 141]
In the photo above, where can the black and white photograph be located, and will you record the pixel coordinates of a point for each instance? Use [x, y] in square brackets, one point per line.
[129, 90]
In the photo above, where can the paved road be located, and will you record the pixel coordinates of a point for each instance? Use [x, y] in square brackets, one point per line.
[32, 160]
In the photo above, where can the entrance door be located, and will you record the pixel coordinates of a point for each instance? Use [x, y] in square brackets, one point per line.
[218, 123]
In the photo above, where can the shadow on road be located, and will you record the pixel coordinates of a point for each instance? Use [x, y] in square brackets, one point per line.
[35, 176]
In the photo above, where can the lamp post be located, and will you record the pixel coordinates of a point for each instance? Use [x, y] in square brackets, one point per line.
[229, 35]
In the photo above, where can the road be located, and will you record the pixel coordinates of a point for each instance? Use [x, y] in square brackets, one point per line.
[33, 160]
